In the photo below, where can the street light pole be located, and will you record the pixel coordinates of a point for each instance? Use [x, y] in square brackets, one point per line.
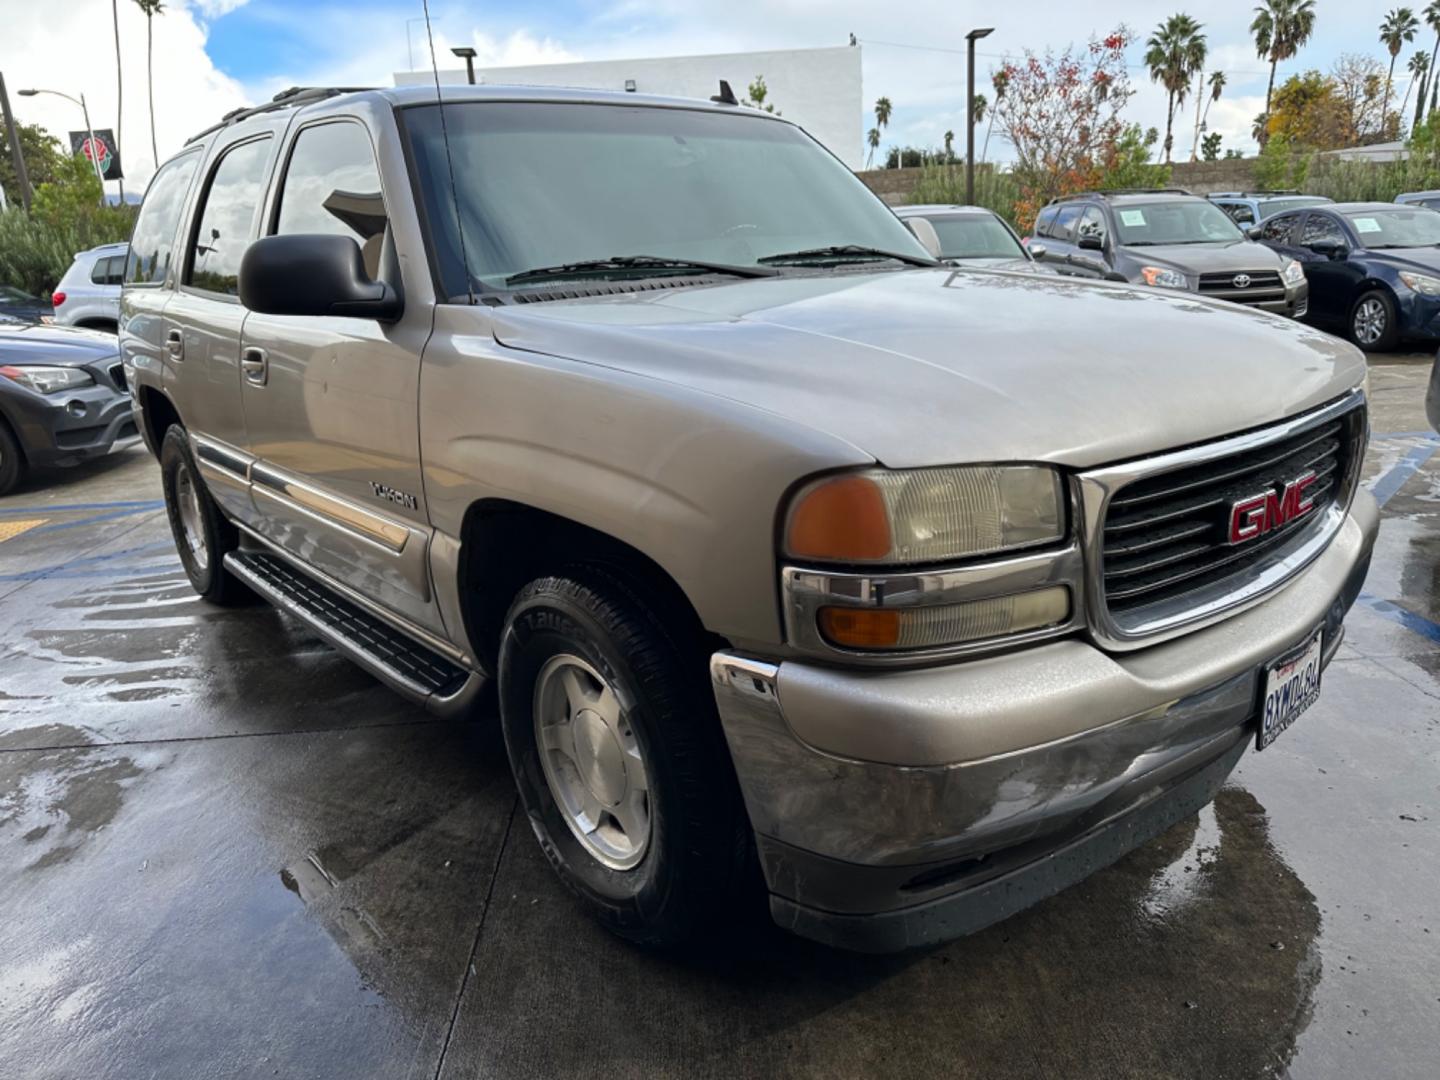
[17, 155]
[466, 53]
[89, 131]
[970, 39]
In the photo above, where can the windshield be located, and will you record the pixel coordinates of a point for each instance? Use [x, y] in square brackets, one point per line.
[542, 185]
[1396, 228]
[1183, 221]
[975, 236]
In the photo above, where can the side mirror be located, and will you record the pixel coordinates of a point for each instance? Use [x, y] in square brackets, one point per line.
[1255, 232]
[926, 234]
[1090, 242]
[1037, 251]
[315, 274]
[1330, 249]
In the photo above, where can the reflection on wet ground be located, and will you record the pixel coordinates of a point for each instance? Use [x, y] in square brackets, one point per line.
[229, 852]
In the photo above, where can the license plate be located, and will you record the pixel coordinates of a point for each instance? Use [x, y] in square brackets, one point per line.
[1292, 684]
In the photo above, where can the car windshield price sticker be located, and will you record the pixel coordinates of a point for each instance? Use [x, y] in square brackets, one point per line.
[1291, 687]
[1366, 224]
[1135, 218]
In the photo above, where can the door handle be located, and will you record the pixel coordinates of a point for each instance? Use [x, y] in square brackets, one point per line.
[256, 366]
[175, 345]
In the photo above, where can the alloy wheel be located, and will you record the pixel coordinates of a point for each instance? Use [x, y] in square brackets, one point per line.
[192, 522]
[1370, 318]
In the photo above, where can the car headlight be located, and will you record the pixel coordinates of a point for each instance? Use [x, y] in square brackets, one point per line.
[44, 379]
[907, 516]
[1424, 284]
[1163, 277]
[1294, 273]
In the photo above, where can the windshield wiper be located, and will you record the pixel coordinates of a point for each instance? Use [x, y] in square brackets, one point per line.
[631, 263]
[843, 251]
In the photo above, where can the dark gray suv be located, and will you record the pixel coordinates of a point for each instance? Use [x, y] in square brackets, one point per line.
[1168, 239]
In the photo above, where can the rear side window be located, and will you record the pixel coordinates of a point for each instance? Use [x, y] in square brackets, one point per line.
[1065, 222]
[153, 240]
[1277, 229]
[227, 218]
[109, 270]
[332, 186]
[1045, 220]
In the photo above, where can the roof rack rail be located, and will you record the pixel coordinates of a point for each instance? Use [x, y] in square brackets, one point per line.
[285, 99]
[1107, 192]
[1253, 194]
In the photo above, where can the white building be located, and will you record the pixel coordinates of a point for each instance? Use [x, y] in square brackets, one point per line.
[819, 89]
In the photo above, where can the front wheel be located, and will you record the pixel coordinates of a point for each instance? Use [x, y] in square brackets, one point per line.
[1373, 324]
[620, 761]
[202, 534]
[12, 461]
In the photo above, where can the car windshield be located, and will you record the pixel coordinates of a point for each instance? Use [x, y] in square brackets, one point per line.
[1396, 228]
[975, 236]
[553, 184]
[1179, 221]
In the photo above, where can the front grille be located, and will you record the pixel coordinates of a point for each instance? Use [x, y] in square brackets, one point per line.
[117, 375]
[1166, 536]
[1264, 287]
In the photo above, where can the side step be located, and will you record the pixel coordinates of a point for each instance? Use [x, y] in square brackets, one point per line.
[408, 666]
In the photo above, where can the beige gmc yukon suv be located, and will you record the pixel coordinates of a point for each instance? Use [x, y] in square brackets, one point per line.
[802, 563]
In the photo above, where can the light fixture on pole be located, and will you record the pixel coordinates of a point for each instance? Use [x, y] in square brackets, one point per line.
[90, 131]
[468, 55]
[970, 39]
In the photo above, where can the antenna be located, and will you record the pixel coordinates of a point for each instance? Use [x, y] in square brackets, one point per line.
[449, 161]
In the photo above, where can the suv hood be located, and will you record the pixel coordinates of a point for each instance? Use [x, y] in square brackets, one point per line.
[64, 346]
[1222, 257]
[927, 367]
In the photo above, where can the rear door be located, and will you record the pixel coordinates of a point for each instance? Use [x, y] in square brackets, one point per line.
[204, 318]
[331, 402]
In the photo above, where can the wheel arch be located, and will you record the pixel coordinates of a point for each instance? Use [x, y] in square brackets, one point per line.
[157, 414]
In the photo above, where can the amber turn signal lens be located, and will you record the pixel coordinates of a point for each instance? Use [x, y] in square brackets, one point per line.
[840, 519]
[861, 628]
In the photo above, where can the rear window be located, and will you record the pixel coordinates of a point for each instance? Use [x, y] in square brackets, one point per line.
[975, 236]
[153, 241]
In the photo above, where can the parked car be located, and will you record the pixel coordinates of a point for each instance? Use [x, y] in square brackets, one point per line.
[1428, 199]
[1374, 268]
[19, 305]
[797, 555]
[1248, 208]
[973, 236]
[63, 398]
[1168, 240]
[89, 293]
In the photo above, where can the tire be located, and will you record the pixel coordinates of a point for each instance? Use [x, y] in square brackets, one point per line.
[1373, 324]
[12, 460]
[203, 536]
[692, 862]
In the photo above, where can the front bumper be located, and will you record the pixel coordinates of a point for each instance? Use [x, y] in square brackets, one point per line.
[70, 427]
[900, 808]
[1295, 303]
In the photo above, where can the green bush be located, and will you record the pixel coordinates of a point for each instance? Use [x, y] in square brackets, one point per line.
[994, 190]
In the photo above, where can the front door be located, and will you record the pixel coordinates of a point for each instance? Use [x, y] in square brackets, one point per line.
[1333, 282]
[330, 402]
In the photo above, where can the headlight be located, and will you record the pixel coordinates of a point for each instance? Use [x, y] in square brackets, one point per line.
[1294, 273]
[48, 380]
[1163, 278]
[925, 515]
[1424, 284]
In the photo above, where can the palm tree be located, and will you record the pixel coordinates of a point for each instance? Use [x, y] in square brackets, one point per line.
[119, 85]
[1432, 20]
[1173, 53]
[151, 8]
[949, 146]
[1000, 82]
[872, 139]
[882, 117]
[1398, 27]
[1419, 74]
[1217, 87]
[1281, 29]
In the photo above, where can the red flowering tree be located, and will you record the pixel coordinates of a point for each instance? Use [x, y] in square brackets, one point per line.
[1061, 112]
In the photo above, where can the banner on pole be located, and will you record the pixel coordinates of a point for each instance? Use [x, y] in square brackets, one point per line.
[101, 149]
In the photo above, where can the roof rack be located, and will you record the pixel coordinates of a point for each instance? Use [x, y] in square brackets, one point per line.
[1107, 192]
[285, 99]
[1253, 194]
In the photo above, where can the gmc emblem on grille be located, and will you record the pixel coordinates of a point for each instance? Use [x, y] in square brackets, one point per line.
[1241, 281]
[1253, 517]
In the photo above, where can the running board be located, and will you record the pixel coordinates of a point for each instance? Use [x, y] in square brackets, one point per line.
[409, 667]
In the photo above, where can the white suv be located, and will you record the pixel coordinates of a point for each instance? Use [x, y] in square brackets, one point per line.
[89, 293]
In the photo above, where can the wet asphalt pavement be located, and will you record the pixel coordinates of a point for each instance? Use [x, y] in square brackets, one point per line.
[227, 852]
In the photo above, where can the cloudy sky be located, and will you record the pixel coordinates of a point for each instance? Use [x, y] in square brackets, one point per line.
[212, 55]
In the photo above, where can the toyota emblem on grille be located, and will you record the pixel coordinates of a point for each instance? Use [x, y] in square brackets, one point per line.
[1242, 281]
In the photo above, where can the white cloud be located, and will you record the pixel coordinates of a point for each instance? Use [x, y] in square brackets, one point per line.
[69, 47]
[213, 9]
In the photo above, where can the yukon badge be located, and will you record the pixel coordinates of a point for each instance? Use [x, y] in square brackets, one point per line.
[399, 498]
[1256, 515]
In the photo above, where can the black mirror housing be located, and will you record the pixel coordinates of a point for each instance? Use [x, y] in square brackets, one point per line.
[1090, 242]
[1330, 249]
[313, 274]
